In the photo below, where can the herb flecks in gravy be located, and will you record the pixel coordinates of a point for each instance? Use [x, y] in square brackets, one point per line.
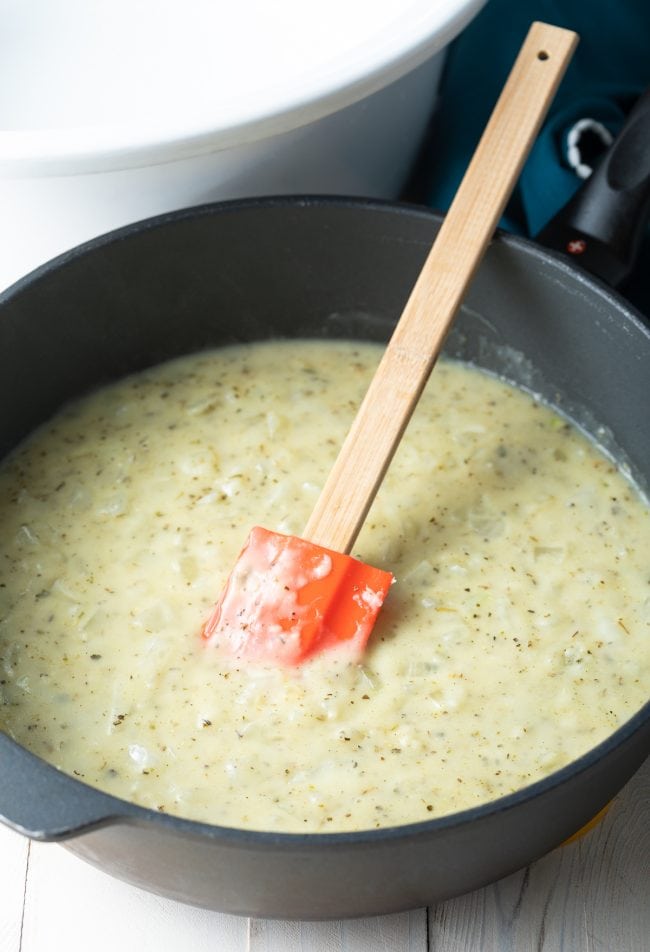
[514, 640]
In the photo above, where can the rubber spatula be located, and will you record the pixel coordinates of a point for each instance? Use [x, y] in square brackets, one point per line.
[287, 597]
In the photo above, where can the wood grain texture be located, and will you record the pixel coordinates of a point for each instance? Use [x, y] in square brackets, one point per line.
[406, 932]
[439, 290]
[14, 857]
[590, 896]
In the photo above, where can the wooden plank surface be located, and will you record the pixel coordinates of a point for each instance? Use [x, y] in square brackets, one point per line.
[14, 856]
[399, 933]
[590, 896]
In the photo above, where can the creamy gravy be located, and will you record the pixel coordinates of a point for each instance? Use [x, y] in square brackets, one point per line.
[514, 640]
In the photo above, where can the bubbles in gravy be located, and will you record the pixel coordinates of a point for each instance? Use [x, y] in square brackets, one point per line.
[515, 638]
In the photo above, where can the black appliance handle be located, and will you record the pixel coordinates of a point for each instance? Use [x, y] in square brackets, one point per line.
[602, 225]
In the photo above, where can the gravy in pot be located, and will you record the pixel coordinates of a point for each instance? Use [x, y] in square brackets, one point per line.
[515, 639]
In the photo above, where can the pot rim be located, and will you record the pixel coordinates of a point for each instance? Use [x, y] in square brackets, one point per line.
[566, 266]
[112, 809]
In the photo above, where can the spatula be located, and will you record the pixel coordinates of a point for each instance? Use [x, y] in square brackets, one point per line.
[288, 598]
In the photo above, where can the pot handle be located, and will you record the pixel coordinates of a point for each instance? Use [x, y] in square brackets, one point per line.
[601, 227]
[43, 803]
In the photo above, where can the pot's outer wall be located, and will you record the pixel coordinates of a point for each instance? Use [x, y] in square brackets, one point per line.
[314, 877]
[311, 268]
[317, 880]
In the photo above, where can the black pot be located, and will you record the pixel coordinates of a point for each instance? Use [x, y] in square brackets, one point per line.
[314, 268]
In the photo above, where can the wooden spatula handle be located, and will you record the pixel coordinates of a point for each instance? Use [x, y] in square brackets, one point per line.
[438, 292]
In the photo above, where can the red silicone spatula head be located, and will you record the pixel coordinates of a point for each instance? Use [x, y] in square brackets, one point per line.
[288, 598]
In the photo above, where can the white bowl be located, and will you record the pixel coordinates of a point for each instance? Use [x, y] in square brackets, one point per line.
[115, 110]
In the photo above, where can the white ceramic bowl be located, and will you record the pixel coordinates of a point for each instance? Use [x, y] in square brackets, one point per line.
[115, 110]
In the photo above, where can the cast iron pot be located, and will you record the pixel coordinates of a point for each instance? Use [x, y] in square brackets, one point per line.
[313, 268]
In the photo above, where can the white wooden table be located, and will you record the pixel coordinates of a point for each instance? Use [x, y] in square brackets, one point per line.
[590, 896]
